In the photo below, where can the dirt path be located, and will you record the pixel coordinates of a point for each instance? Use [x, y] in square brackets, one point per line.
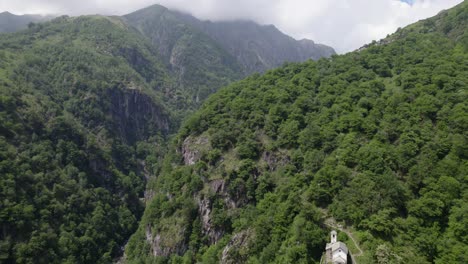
[331, 222]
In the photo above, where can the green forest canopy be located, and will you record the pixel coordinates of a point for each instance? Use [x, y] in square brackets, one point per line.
[377, 136]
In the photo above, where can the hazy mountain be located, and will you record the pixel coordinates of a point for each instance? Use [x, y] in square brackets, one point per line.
[259, 48]
[376, 139]
[256, 48]
[12, 23]
[200, 64]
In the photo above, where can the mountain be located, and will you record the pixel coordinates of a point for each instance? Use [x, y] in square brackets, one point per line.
[259, 48]
[12, 23]
[199, 64]
[81, 108]
[256, 48]
[202, 61]
[87, 108]
[376, 139]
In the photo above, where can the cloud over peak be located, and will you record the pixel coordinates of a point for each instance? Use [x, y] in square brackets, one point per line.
[343, 24]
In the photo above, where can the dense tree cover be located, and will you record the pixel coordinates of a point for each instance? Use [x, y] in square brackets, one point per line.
[86, 106]
[377, 136]
[71, 174]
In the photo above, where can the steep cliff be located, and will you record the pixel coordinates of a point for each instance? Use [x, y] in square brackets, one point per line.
[136, 116]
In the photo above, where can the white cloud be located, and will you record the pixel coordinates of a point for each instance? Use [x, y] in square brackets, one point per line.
[343, 24]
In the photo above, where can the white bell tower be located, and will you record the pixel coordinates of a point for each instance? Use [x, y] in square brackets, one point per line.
[333, 238]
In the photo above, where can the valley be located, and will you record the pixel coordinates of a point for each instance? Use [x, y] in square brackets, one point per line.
[158, 137]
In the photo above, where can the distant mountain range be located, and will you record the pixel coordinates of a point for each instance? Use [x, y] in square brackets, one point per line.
[204, 55]
[257, 48]
[12, 23]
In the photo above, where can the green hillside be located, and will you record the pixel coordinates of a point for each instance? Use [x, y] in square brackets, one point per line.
[87, 107]
[376, 137]
[79, 113]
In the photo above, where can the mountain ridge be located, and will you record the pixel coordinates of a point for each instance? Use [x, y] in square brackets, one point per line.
[376, 136]
[88, 105]
[248, 40]
[195, 53]
[11, 23]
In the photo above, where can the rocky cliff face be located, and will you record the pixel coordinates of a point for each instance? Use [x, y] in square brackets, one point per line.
[240, 241]
[192, 149]
[161, 245]
[135, 115]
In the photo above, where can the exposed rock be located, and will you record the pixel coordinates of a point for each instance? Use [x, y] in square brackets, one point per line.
[191, 149]
[135, 115]
[159, 244]
[149, 195]
[275, 160]
[155, 243]
[239, 243]
[204, 210]
[219, 187]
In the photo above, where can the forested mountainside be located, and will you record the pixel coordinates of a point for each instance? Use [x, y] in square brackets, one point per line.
[87, 105]
[203, 56]
[79, 112]
[12, 23]
[377, 138]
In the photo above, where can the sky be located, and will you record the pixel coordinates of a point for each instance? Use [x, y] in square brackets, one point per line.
[345, 25]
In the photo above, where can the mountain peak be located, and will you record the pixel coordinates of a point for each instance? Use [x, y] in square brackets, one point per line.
[153, 9]
[256, 47]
